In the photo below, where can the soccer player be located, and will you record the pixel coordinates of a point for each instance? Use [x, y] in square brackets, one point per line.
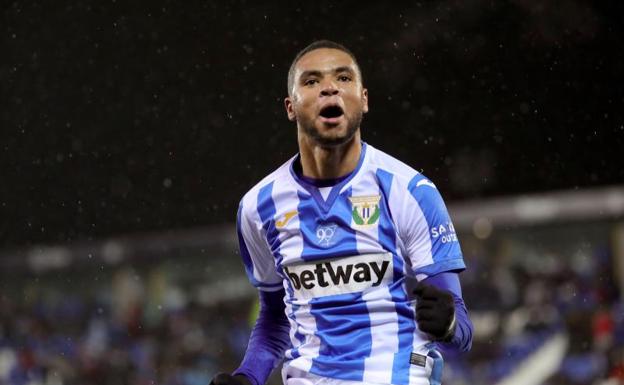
[353, 252]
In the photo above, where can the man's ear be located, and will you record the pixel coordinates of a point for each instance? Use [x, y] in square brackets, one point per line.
[364, 100]
[290, 111]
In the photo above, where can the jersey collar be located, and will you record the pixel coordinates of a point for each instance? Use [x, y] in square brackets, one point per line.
[311, 185]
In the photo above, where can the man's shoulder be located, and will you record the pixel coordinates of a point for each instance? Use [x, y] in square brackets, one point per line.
[280, 175]
[407, 178]
[389, 164]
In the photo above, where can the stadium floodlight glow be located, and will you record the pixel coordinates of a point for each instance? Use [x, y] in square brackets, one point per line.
[531, 209]
[482, 228]
[112, 252]
[537, 209]
[47, 258]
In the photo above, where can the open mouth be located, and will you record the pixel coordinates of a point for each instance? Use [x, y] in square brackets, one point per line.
[332, 111]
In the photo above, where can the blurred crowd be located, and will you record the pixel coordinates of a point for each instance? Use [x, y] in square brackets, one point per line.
[521, 300]
[138, 329]
[66, 339]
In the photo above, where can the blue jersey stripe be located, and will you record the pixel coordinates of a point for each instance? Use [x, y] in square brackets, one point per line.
[445, 249]
[322, 232]
[266, 210]
[342, 215]
[405, 312]
[343, 326]
[308, 214]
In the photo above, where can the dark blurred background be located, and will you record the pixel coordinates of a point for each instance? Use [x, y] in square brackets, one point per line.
[122, 117]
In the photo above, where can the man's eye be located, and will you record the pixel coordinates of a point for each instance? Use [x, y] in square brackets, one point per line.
[344, 78]
[309, 82]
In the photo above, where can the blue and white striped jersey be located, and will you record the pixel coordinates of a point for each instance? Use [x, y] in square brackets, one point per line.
[342, 253]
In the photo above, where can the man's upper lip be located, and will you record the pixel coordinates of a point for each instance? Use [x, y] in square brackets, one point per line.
[331, 101]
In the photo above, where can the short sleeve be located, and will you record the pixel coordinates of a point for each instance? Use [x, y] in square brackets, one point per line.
[428, 233]
[254, 249]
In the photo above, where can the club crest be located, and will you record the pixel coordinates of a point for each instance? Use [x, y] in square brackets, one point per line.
[365, 210]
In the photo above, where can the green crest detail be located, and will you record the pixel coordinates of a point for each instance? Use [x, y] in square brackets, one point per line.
[356, 217]
[365, 210]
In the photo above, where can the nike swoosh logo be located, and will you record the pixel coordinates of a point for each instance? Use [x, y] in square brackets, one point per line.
[287, 217]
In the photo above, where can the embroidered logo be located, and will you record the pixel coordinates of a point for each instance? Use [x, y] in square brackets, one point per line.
[325, 234]
[284, 221]
[365, 210]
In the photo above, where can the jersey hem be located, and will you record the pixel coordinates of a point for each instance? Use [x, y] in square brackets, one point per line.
[303, 370]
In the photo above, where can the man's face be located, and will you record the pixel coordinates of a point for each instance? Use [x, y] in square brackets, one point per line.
[327, 99]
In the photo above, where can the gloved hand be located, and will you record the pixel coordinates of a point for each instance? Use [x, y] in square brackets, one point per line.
[435, 311]
[228, 379]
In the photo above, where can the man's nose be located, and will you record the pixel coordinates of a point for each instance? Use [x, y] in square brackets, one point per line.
[329, 89]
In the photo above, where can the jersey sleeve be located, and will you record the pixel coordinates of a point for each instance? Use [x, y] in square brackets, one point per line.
[427, 231]
[254, 249]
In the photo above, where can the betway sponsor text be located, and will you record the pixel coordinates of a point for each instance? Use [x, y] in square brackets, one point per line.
[340, 276]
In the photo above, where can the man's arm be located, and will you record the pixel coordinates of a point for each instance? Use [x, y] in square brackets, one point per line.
[270, 336]
[441, 311]
[432, 245]
[269, 339]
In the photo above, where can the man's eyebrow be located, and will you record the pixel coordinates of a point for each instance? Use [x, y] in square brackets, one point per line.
[343, 69]
[336, 70]
[308, 73]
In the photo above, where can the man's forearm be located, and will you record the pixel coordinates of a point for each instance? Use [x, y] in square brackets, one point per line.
[462, 337]
[269, 339]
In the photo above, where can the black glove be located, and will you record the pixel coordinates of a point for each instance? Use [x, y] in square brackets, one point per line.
[435, 311]
[228, 379]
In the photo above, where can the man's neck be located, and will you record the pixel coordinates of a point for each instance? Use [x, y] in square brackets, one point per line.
[329, 162]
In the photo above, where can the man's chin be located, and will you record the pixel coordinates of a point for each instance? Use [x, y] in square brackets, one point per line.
[331, 135]
[336, 137]
[332, 141]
